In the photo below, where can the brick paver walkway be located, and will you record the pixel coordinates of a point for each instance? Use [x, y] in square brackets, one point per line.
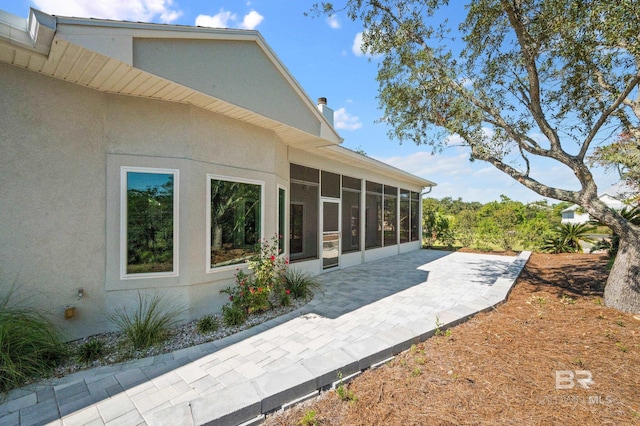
[365, 315]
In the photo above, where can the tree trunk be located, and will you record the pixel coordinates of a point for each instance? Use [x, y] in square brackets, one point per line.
[623, 286]
[216, 244]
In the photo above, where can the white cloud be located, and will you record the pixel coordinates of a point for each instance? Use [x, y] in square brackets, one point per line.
[219, 20]
[333, 22]
[227, 19]
[427, 165]
[251, 20]
[122, 10]
[345, 121]
[358, 49]
[357, 45]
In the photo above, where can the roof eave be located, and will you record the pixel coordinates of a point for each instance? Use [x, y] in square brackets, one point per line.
[353, 158]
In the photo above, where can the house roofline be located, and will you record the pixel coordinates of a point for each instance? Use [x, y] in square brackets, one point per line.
[37, 35]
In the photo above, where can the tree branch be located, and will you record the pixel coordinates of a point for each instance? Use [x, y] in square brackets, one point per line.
[606, 113]
[527, 46]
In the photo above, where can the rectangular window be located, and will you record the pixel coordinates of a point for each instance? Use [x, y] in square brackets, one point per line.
[149, 222]
[405, 218]
[350, 214]
[415, 216]
[235, 220]
[373, 217]
[390, 215]
[282, 202]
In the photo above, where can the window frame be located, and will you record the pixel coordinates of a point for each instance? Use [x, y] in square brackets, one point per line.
[124, 170]
[211, 176]
[282, 219]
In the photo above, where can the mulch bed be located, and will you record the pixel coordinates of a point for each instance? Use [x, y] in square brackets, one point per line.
[513, 365]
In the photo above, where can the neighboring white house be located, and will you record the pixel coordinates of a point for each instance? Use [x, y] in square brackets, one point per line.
[613, 197]
[150, 158]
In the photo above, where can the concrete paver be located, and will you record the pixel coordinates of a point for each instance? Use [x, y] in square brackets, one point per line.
[364, 316]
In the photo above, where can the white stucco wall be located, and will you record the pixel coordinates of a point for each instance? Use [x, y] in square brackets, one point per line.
[235, 71]
[63, 147]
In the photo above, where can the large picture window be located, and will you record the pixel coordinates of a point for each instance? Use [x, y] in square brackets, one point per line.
[149, 222]
[235, 220]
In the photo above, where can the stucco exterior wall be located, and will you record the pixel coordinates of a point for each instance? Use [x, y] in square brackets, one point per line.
[63, 147]
[235, 71]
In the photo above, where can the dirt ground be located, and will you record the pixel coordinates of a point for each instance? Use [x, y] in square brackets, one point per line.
[525, 363]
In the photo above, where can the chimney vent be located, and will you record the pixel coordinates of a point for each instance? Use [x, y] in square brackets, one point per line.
[325, 110]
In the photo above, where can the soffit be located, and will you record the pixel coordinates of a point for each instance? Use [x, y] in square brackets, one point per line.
[75, 64]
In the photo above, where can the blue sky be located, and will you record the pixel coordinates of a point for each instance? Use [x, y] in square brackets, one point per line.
[324, 56]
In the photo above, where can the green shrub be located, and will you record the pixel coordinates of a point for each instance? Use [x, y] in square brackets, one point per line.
[30, 346]
[300, 284]
[567, 237]
[207, 324]
[149, 323]
[90, 351]
[233, 315]
[309, 419]
[263, 289]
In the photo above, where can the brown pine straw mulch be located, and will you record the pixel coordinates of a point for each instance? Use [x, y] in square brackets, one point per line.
[500, 366]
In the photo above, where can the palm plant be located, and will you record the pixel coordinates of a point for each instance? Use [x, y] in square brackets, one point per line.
[567, 237]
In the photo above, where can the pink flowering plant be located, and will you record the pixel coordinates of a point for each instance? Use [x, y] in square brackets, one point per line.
[263, 288]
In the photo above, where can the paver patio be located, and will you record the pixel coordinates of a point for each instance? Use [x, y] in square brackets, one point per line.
[365, 315]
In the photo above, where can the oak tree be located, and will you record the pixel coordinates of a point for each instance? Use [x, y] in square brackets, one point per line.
[517, 81]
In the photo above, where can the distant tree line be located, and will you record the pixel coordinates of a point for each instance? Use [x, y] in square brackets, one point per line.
[504, 224]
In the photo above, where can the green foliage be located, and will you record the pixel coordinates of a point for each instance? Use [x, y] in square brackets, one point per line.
[149, 323]
[309, 419]
[207, 324]
[567, 237]
[30, 346]
[624, 156]
[436, 225]
[439, 331]
[233, 315]
[556, 244]
[345, 394]
[300, 284]
[265, 287]
[465, 225]
[505, 223]
[90, 351]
